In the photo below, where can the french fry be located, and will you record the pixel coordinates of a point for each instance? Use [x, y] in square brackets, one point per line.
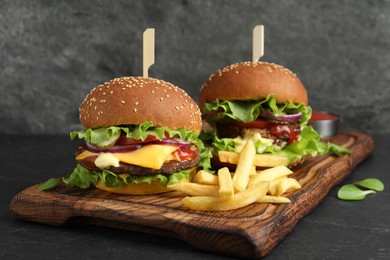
[244, 166]
[253, 171]
[273, 199]
[226, 189]
[205, 177]
[273, 186]
[287, 185]
[271, 174]
[239, 200]
[260, 160]
[195, 189]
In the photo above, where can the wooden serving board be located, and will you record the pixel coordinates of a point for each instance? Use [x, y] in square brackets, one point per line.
[252, 231]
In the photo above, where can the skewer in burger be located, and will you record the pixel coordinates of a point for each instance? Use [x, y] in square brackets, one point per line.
[264, 102]
[141, 134]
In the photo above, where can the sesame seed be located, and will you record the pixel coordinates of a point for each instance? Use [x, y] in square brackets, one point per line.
[167, 95]
[135, 110]
[161, 98]
[123, 102]
[136, 103]
[111, 92]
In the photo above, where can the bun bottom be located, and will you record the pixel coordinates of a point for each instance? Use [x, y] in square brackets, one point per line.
[135, 189]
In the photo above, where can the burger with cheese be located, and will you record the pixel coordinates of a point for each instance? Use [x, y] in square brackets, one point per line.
[264, 102]
[141, 134]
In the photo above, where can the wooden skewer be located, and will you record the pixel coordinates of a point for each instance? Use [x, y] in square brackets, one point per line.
[258, 43]
[148, 50]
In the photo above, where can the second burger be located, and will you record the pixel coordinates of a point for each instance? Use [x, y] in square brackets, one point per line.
[264, 102]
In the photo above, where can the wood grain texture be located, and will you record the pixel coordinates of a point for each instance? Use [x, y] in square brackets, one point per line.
[251, 232]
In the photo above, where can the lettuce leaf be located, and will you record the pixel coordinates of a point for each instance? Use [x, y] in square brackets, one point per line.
[83, 178]
[309, 143]
[141, 132]
[249, 110]
[218, 144]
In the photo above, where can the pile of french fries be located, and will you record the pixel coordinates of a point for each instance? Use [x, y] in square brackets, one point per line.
[228, 191]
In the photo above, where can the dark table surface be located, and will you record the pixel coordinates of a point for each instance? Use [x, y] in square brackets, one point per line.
[334, 230]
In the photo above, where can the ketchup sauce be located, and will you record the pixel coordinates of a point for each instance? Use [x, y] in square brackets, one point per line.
[285, 132]
[319, 116]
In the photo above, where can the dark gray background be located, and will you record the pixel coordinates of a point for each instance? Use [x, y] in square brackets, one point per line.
[53, 52]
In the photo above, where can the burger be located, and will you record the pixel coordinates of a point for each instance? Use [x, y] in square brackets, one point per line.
[141, 134]
[264, 102]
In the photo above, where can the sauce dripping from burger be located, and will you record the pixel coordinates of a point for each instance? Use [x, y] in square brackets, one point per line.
[285, 132]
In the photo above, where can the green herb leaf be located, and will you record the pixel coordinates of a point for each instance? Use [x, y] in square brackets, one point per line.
[49, 184]
[351, 192]
[371, 183]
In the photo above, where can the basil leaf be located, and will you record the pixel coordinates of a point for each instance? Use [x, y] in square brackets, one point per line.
[371, 183]
[351, 192]
[49, 184]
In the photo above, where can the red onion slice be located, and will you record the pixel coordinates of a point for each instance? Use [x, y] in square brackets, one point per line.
[290, 117]
[114, 149]
[174, 142]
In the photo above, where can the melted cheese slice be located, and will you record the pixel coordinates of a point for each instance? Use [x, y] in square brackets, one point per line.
[149, 156]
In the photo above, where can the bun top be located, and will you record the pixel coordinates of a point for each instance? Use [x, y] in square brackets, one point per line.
[135, 100]
[251, 81]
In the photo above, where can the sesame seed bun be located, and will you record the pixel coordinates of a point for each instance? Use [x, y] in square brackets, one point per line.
[135, 100]
[135, 189]
[253, 80]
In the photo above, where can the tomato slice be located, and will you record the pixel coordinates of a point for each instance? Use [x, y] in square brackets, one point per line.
[123, 140]
[261, 124]
[184, 153]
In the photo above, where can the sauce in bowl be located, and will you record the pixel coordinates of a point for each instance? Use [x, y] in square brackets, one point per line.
[325, 123]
